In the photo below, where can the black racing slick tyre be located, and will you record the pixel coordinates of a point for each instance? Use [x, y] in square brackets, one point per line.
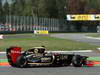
[77, 61]
[68, 60]
[66, 63]
[21, 62]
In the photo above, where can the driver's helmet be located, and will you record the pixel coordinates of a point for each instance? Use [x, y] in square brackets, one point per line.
[40, 50]
[37, 50]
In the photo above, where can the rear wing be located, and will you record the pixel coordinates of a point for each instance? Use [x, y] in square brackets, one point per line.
[12, 54]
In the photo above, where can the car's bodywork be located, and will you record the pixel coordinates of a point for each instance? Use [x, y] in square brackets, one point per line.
[38, 57]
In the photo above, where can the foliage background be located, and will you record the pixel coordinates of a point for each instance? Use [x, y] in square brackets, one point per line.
[48, 8]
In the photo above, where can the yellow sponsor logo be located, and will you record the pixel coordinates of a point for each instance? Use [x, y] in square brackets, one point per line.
[78, 17]
[83, 17]
[41, 32]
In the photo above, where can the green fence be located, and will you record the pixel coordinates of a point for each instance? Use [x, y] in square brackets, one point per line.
[31, 23]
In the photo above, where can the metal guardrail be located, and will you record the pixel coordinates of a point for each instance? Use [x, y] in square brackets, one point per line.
[30, 23]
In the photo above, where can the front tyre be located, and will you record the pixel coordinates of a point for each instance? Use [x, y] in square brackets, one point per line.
[77, 61]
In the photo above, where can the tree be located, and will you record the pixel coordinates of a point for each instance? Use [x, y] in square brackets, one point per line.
[35, 7]
[62, 8]
[6, 8]
[28, 10]
[51, 8]
[1, 11]
[14, 7]
[92, 7]
[42, 8]
[76, 6]
[17, 7]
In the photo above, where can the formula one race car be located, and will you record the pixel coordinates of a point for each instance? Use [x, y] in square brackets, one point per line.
[37, 56]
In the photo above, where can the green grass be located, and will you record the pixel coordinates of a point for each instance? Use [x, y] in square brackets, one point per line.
[50, 43]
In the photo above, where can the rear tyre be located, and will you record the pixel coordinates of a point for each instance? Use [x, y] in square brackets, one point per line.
[21, 62]
[77, 61]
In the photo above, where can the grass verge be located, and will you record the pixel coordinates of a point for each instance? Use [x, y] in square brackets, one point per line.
[51, 43]
[96, 35]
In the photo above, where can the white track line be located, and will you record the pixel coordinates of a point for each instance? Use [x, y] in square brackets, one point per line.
[93, 38]
[2, 52]
[71, 51]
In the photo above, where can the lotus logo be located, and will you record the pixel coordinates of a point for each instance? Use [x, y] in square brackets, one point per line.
[12, 51]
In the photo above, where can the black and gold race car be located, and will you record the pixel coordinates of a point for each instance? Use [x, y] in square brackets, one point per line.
[37, 56]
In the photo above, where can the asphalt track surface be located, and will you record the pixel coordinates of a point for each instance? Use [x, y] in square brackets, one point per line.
[79, 37]
[50, 71]
[6, 70]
